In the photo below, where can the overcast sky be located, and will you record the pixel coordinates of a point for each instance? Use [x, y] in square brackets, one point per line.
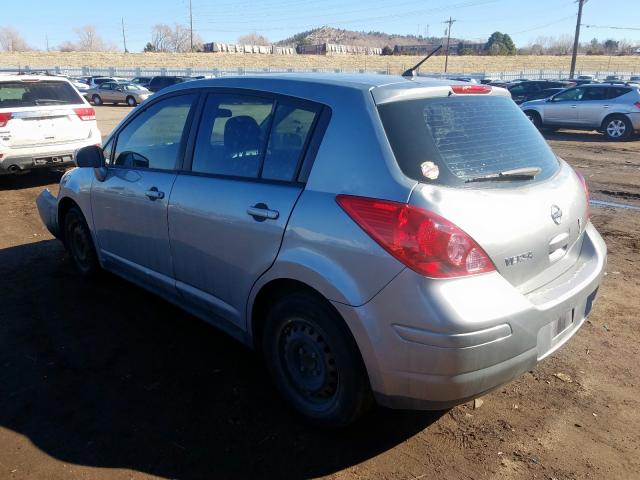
[524, 20]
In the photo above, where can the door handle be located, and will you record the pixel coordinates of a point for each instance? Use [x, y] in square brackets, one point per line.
[574, 106]
[154, 194]
[261, 212]
[605, 106]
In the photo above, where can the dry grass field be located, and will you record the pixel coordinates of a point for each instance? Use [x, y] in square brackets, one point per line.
[392, 64]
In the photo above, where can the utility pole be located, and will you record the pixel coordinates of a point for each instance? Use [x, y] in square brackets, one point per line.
[46, 39]
[576, 40]
[124, 37]
[191, 25]
[451, 21]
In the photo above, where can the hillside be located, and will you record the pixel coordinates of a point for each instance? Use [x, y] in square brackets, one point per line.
[392, 64]
[350, 37]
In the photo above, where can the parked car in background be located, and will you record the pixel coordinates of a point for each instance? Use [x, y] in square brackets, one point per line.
[142, 81]
[117, 92]
[543, 94]
[43, 120]
[158, 83]
[414, 242]
[611, 109]
[521, 90]
[634, 78]
[612, 78]
[96, 81]
[464, 79]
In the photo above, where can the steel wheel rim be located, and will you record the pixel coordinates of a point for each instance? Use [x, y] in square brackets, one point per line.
[308, 362]
[79, 245]
[616, 128]
[131, 102]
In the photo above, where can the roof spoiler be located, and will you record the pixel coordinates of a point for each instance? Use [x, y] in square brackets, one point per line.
[411, 73]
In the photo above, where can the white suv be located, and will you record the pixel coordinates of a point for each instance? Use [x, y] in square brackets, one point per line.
[43, 121]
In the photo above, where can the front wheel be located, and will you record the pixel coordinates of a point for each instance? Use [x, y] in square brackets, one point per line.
[131, 101]
[79, 243]
[315, 361]
[617, 127]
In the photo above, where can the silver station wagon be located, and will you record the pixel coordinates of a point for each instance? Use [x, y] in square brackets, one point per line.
[410, 242]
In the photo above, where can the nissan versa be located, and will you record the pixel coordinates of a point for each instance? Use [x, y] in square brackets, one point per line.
[412, 242]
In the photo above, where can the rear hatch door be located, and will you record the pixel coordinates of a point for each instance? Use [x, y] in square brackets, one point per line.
[483, 166]
[41, 113]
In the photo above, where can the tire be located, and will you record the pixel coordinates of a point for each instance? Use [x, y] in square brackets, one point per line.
[79, 243]
[131, 101]
[315, 362]
[96, 100]
[617, 127]
[534, 117]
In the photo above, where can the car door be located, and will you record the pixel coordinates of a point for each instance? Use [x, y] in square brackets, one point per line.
[593, 106]
[130, 204]
[227, 215]
[562, 109]
[105, 91]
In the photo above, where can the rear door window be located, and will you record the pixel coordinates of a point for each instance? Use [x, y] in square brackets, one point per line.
[37, 93]
[233, 133]
[452, 140]
[615, 92]
[595, 93]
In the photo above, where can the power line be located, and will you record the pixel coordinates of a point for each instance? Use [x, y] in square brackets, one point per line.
[611, 27]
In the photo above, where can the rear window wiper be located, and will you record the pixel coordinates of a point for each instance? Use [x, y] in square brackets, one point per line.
[524, 173]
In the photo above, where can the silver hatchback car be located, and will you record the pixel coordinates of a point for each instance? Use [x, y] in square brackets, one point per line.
[413, 242]
[612, 109]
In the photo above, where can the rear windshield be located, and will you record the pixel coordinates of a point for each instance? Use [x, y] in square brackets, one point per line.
[30, 94]
[452, 140]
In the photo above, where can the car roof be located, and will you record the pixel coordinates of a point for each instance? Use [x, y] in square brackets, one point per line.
[13, 77]
[316, 86]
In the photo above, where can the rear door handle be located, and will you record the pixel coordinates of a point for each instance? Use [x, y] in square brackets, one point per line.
[574, 106]
[154, 194]
[261, 212]
[605, 106]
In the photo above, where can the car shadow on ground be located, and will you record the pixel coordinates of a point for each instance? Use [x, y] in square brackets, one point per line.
[34, 178]
[101, 373]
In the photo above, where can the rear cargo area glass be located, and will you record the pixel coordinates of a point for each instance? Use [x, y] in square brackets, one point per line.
[465, 137]
[37, 93]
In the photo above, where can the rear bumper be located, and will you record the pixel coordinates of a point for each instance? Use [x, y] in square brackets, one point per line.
[18, 160]
[635, 120]
[432, 344]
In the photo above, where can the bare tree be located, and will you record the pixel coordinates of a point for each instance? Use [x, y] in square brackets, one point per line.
[253, 38]
[12, 41]
[89, 40]
[177, 39]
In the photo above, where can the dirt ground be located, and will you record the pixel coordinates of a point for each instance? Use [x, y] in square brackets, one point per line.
[393, 64]
[102, 380]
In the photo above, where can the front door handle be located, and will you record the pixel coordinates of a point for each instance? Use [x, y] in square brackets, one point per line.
[574, 106]
[154, 194]
[261, 212]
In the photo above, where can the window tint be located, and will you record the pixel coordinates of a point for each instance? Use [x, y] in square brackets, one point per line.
[289, 133]
[29, 94]
[153, 138]
[615, 92]
[106, 86]
[454, 139]
[232, 135]
[100, 81]
[595, 93]
[571, 94]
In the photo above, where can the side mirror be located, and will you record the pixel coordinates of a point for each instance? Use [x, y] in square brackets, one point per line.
[120, 89]
[90, 157]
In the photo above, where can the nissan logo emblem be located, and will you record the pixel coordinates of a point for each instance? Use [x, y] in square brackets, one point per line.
[556, 214]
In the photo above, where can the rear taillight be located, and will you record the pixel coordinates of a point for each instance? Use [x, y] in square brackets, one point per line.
[637, 104]
[585, 187]
[4, 118]
[462, 89]
[422, 240]
[86, 113]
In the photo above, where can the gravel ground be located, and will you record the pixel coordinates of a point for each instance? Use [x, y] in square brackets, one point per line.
[102, 380]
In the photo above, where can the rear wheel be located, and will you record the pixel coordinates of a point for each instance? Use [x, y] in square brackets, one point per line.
[314, 361]
[96, 100]
[77, 239]
[617, 127]
[131, 101]
[534, 117]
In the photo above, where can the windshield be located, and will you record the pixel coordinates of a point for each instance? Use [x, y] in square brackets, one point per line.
[451, 140]
[34, 93]
[131, 86]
